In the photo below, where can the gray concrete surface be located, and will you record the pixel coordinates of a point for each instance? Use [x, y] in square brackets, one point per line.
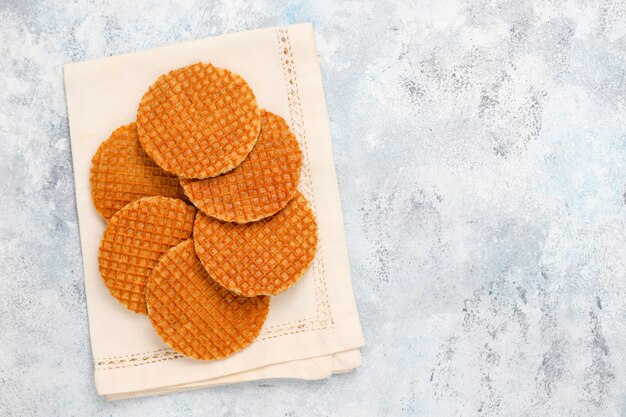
[481, 154]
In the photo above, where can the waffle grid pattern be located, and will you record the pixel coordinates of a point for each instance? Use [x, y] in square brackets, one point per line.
[194, 314]
[198, 121]
[134, 240]
[261, 186]
[122, 172]
[260, 258]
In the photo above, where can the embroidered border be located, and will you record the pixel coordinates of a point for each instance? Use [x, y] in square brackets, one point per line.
[324, 315]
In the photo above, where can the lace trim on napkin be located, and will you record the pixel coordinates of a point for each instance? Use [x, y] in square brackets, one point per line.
[323, 318]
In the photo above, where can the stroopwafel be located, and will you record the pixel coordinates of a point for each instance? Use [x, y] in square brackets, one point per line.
[134, 240]
[122, 172]
[198, 121]
[261, 186]
[259, 258]
[194, 314]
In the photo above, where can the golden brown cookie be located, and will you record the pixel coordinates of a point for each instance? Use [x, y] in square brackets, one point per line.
[198, 121]
[121, 172]
[194, 314]
[261, 186]
[134, 240]
[259, 258]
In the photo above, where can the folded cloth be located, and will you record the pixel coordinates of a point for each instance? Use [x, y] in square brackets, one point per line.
[307, 369]
[312, 329]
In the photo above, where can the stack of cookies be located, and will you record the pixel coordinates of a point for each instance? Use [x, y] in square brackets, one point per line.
[204, 220]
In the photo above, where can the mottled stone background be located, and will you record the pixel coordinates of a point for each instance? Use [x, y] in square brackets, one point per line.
[481, 155]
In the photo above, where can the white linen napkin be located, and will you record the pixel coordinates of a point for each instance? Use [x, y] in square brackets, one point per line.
[313, 329]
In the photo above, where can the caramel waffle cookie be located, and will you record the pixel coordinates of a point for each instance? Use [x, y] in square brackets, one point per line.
[122, 172]
[134, 240]
[194, 314]
[198, 121]
[259, 258]
[261, 186]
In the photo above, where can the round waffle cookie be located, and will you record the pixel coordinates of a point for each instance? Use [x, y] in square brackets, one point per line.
[122, 172]
[261, 186]
[259, 258]
[198, 121]
[194, 314]
[134, 240]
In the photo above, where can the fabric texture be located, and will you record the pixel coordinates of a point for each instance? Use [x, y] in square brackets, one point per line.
[312, 329]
